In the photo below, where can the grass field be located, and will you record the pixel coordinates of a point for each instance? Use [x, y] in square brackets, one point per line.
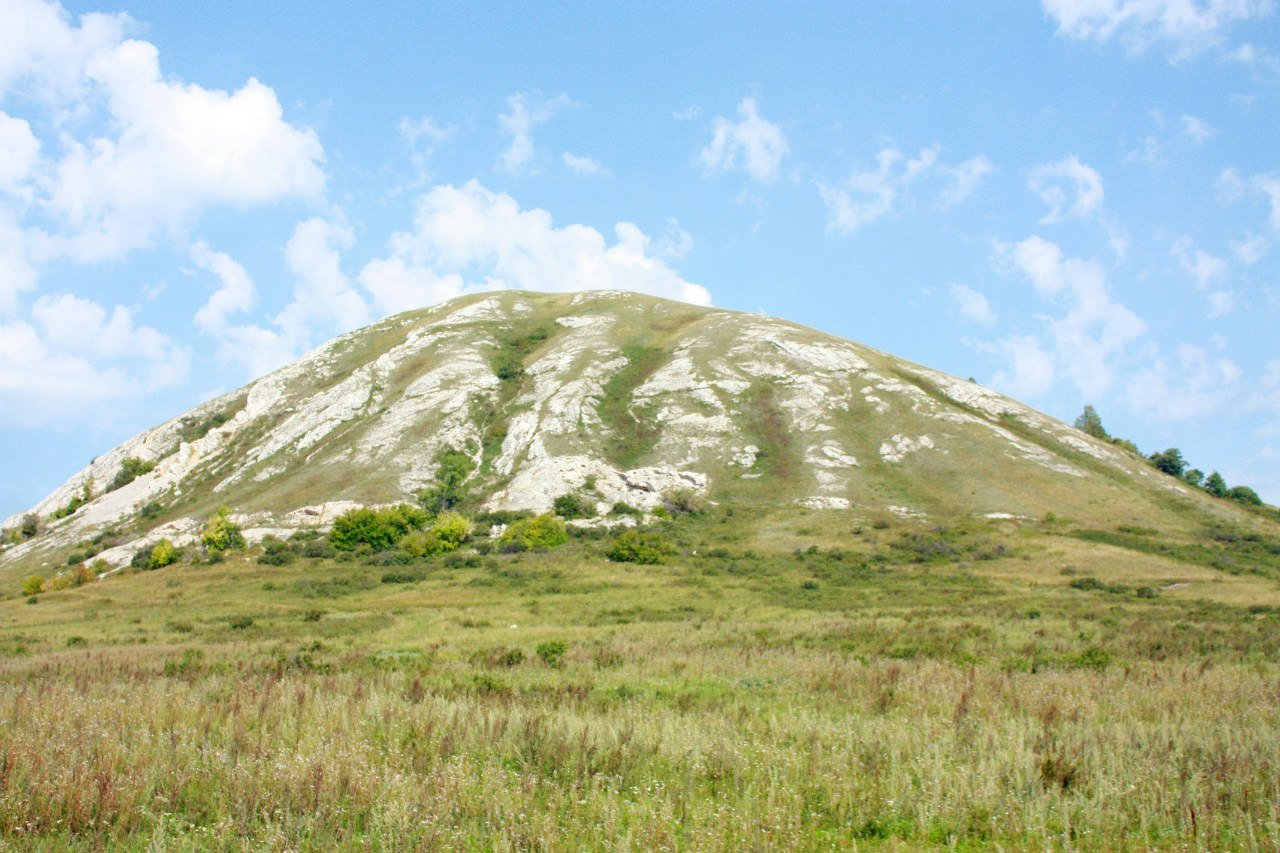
[787, 680]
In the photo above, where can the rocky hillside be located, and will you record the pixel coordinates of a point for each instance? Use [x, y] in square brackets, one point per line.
[613, 397]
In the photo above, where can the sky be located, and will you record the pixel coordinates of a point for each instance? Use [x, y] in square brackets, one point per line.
[1072, 201]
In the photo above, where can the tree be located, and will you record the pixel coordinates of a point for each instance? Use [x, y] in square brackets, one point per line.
[1169, 461]
[1194, 476]
[221, 533]
[1215, 485]
[452, 469]
[1090, 423]
[1244, 495]
[164, 553]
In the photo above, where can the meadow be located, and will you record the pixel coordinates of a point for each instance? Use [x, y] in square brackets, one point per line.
[786, 679]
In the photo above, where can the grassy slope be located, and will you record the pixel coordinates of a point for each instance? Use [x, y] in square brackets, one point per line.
[898, 686]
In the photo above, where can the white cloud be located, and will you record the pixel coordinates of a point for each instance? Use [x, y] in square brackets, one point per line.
[1198, 130]
[1069, 188]
[1029, 370]
[325, 300]
[1205, 270]
[965, 180]
[136, 152]
[675, 242]
[17, 273]
[973, 305]
[752, 144]
[688, 113]
[865, 197]
[19, 150]
[1095, 329]
[423, 136]
[1193, 383]
[1251, 249]
[1187, 26]
[470, 238]
[583, 165]
[235, 292]
[524, 113]
[77, 356]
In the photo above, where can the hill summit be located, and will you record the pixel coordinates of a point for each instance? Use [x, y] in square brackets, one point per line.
[614, 399]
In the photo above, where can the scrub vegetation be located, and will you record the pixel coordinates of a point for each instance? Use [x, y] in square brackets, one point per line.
[718, 679]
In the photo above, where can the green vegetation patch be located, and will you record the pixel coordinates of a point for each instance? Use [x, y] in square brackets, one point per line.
[633, 429]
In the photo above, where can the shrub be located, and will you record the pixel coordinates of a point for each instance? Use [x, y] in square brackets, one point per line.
[81, 575]
[1244, 495]
[131, 468]
[239, 623]
[621, 508]
[452, 529]
[221, 533]
[378, 529]
[30, 526]
[572, 506]
[683, 502]
[644, 548]
[276, 552]
[540, 533]
[552, 652]
[32, 585]
[163, 553]
[318, 549]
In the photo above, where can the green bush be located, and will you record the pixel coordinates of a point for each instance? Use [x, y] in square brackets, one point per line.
[32, 585]
[131, 469]
[540, 533]
[163, 553]
[573, 506]
[276, 552]
[634, 547]
[221, 533]
[452, 528]
[552, 652]
[378, 529]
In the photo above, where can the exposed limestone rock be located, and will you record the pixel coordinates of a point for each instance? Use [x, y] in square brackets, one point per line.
[898, 446]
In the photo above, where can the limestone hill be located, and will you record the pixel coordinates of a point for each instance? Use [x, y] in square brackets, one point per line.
[616, 398]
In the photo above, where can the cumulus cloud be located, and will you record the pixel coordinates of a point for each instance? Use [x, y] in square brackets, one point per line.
[1069, 188]
[1192, 383]
[583, 165]
[1206, 270]
[1198, 130]
[1187, 26]
[1093, 329]
[752, 144]
[235, 293]
[470, 238]
[1029, 370]
[867, 196]
[524, 113]
[133, 152]
[973, 305]
[75, 355]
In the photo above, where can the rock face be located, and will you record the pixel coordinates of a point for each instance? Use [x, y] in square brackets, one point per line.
[616, 397]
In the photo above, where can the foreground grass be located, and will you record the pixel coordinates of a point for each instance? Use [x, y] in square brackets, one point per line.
[971, 697]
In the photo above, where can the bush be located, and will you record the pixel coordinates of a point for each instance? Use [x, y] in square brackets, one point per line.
[239, 623]
[378, 529]
[318, 549]
[276, 552]
[131, 469]
[32, 585]
[683, 502]
[1244, 495]
[30, 526]
[452, 529]
[540, 533]
[163, 553]
[645, 548]
[221, 533]
[552, 652]
[572, 506]
[621, 508]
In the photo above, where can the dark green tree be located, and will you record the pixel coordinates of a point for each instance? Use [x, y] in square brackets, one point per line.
[1169, 461]
[1194, 476]
[1244, 495]
[1215, 485]
[453, 467]
[1090, 423]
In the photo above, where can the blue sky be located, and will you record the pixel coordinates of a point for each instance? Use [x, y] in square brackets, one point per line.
[1073, 201]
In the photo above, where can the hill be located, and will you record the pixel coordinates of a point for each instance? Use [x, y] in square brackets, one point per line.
[616, 398]
[601, 571]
